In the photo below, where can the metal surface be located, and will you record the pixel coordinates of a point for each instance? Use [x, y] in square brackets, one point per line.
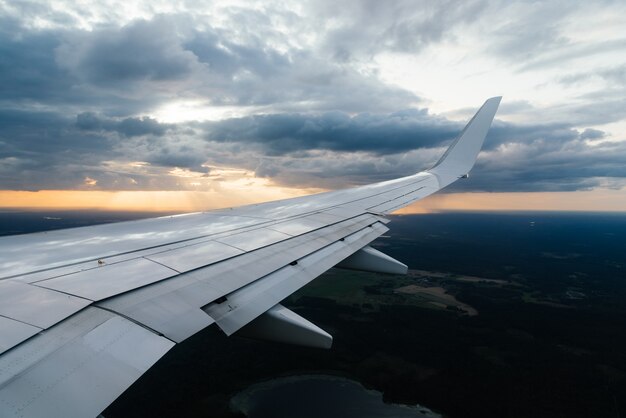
[252, 240]
[194, 256]
[109, 280]
[460, 157]
[77, 368]
[13, 332]
[370, 259]
[247, 303]
[36, 306]
[172, 307]
[300, 226]
[282, 325]
[242, 270]
[45, 250]
[170, 314]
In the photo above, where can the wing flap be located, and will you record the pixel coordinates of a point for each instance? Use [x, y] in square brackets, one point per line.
[18, 299]
[172, 306]
[13, 332]
[247, 303]
[172, 314]
[91, 357]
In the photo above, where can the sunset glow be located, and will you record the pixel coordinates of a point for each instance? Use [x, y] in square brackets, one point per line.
[189, 201]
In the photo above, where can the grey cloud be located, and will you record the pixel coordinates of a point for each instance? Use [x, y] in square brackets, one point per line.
[381, 134]
[41, 150]
[529, 37]
[518, 157]
[332, 169]
[33, 74]
[329, 119]
[570, 51]
[590, 133]
[143, 50]
[28, 69]
[539, 164]
[229, 58]
[134, 69]
[46, 150]
[547, 165]
[89, 121]
[360, 29]
[505, 132]
[613, 76]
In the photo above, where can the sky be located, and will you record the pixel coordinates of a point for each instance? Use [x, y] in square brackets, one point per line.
[162, 105]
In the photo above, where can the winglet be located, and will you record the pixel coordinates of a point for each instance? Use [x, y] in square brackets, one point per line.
[460, 157]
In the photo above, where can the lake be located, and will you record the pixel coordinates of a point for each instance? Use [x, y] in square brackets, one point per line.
[314, 396]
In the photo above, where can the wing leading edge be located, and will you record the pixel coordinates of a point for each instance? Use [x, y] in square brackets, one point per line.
[84, 312]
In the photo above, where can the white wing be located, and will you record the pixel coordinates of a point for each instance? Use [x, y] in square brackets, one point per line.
[85, 311]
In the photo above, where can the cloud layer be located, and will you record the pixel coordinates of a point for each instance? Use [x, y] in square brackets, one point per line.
[155, 97]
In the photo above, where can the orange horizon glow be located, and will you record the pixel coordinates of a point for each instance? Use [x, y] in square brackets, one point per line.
[189, 201]
[602, 200]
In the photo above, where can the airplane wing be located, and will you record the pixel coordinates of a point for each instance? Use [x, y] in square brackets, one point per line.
[84, 312]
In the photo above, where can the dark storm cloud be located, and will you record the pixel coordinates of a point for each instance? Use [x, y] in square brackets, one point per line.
[365, 148]
[544, 166]
[89, 121]
[28, 70]
[338, 131]
[380, 134]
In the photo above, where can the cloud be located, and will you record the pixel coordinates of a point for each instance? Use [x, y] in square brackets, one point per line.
[304, 94]
[28, 69]
[89, 121]
[361, 29]
[337, 131]
[328, 150]
[142, 50]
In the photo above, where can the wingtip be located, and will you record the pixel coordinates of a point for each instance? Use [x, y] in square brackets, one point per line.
[461, 155]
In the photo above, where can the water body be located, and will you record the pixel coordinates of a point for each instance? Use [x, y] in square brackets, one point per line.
[315, 396]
